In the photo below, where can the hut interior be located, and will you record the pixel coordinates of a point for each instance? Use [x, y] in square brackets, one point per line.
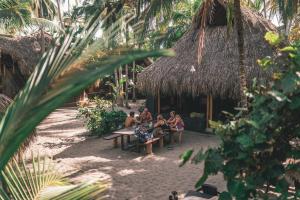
[11, 78]
[195, 111]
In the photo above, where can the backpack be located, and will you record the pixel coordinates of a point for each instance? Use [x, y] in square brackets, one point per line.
[142, 134]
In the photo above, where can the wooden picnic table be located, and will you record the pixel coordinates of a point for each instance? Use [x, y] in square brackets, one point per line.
[125, 132]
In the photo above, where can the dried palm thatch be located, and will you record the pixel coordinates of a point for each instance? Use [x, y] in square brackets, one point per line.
[217, 74]
[5, 101]
[26, 51]
[18, 56]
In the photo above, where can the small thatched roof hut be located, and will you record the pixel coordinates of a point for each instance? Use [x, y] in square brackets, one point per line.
[18, 57]
[218, 72]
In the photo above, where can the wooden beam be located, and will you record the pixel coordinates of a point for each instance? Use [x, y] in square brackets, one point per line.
[158, 102]
[207, 111]
[211, 108]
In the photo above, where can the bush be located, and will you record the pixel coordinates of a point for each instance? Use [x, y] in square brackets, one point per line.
[100, 120]
[260, 152]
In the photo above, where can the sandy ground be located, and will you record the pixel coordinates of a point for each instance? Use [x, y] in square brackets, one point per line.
[131, 175]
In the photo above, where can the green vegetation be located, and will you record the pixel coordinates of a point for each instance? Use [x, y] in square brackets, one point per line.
[259, 153]
[259, 150]
[73, 63]
[39, 179]
[99, 120]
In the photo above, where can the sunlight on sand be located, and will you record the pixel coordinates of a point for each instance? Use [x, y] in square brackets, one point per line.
[149, 157]
[126, 172]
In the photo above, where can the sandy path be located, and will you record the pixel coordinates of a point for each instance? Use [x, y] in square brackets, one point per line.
[131, 175]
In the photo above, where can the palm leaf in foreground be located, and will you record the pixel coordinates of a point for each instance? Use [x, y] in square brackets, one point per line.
[40, 180]
[62, 72]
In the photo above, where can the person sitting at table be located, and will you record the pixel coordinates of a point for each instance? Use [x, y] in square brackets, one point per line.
[146, 116]
[130, 120]
[171, 121]
[160, 124]
[179, 124]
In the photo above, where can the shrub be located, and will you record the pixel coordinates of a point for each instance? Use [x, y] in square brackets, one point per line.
[99, 119]
[260, 152]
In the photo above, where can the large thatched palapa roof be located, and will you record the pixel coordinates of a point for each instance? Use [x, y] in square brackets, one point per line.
[26, 50]
[218, 72]
[18, 57]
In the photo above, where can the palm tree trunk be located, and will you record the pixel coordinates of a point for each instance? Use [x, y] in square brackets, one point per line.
[126, 87]
[133, 80]
[240, 41]
[59, 14]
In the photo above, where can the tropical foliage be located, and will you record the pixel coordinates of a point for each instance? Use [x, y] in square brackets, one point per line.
[74, 62]
[40, 179]
[99, 119]
[259, 153]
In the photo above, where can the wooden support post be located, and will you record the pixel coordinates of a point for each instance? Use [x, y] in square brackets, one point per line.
[209, 110]
[158, 102]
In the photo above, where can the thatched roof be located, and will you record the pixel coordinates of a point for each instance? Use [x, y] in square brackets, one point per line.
[25, 50]
[217, 74]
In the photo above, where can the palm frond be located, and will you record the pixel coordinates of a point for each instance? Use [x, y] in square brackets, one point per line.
[14, 14]
[39, 179]
[45, 24]
[63, 71]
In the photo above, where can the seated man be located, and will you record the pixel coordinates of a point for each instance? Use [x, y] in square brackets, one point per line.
[130, 121]
[146, 116]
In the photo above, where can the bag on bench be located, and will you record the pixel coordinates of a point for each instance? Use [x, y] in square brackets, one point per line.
[142, 134]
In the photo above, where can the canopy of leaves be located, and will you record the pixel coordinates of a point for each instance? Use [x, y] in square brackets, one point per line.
[262, 149]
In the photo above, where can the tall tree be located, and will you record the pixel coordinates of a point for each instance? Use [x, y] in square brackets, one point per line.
[240, 42]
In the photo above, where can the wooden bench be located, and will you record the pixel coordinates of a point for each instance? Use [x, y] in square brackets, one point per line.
[113, 137]
[149, 144]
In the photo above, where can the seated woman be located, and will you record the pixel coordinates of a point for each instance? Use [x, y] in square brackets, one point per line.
[159, 126]
[179, 124]
[130, 120]
[146, 116]
[171, 121]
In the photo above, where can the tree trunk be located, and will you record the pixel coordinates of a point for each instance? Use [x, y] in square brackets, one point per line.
[265, 8]
[133, 80]
[121, 81]
[126, 87]
[240, 41]
[59, 14]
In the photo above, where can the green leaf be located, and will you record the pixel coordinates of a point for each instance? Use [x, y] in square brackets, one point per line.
[260, 138]
[278, 95]
[244, 140]
[225, 196]
[295, 103]
[236, 188]
[201, 181]
[288, 49]
[186, 156]
[199, 157]
[273, 38]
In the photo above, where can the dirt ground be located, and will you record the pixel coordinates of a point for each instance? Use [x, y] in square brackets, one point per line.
[131, 175]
